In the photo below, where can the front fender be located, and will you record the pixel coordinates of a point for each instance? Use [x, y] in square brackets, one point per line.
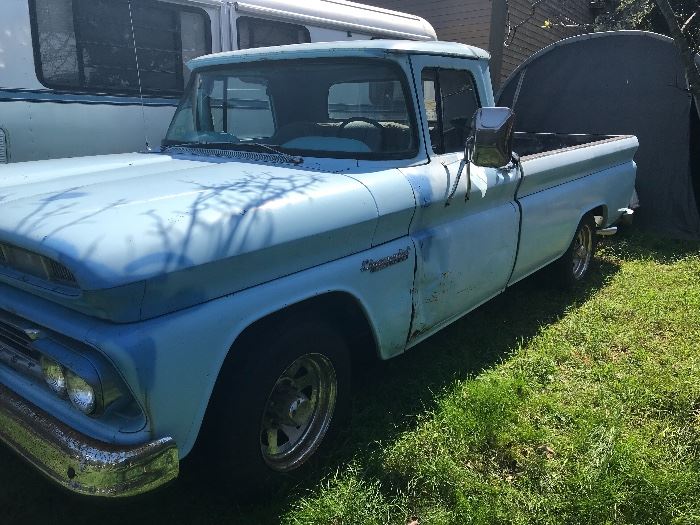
[171, 363]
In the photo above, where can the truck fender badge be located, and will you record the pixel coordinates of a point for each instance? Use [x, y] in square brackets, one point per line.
[371, 265]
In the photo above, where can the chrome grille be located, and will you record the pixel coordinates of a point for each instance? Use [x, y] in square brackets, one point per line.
[16, 347]
[17, 340]
[60, 273]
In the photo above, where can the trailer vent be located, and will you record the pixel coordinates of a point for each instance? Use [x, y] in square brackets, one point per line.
[4, 157]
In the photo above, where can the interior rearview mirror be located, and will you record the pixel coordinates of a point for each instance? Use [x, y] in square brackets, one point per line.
[491, 143]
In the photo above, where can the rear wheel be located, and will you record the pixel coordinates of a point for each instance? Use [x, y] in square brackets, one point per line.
[575, 264]
[277, 402]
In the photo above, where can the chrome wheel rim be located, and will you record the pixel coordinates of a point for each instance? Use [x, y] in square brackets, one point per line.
[582, 251]
[298, 412]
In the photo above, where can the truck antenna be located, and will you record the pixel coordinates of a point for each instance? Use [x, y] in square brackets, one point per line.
[138, 77]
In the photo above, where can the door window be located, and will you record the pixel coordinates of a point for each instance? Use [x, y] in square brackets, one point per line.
[450, 100]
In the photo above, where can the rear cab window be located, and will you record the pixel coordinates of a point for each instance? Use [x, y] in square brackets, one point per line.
[237, 106]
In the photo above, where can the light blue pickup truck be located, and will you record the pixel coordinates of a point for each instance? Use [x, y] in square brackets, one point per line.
[312, 206]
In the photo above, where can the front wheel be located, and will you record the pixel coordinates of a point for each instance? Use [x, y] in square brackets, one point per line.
[278, 400]
[298, 412]
[574, 265]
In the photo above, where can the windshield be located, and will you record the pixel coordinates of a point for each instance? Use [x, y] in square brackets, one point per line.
[343, 108]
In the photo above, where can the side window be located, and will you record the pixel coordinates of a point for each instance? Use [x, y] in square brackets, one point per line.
[450, 102]
[89, 44]
[257, 32]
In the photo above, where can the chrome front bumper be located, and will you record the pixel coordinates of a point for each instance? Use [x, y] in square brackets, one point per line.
[79, 463]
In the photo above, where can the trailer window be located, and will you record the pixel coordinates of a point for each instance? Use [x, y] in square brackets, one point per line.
[257, 32]
[89, 45]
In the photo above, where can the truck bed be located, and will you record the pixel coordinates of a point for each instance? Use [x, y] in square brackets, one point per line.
[564, 178]
[551, 159]
[528, 144]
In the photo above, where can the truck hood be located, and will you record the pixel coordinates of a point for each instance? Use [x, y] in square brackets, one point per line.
[119, 219]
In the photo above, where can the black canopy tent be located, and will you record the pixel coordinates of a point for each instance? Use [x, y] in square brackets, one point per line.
[621, 82]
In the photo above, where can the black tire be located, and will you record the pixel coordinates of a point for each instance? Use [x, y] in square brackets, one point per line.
[575, 264]
[275, 375]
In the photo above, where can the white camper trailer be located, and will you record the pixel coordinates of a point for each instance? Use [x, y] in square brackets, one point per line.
[84, 77]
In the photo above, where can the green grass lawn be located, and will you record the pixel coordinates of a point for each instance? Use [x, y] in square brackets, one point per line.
[540, 407]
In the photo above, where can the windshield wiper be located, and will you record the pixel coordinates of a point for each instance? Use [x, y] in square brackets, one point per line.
[242, 146]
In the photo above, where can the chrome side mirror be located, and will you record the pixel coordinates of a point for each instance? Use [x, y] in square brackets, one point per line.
[491, 143]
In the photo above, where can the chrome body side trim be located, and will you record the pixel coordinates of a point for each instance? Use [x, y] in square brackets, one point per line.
[607, 232]
[79, 463]
[4, 156]
[627, 216]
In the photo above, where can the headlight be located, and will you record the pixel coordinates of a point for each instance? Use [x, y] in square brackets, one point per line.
[54, 375]
[80, 393]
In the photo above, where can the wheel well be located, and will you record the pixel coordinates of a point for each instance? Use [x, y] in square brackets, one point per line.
[339, 309]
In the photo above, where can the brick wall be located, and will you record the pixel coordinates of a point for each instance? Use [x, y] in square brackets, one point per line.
[531, 36]
[482, 23]
[466, 21]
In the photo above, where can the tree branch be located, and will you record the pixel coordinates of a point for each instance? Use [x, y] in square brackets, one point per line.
[690, 19]
[511, 31]
[687, 55]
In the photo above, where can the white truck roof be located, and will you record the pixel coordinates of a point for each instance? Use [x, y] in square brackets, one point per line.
[354, 47]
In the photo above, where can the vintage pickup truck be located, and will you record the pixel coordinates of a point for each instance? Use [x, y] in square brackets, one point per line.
[312, 206]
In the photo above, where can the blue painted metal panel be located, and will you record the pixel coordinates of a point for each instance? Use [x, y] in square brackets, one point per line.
[179, 222]
[549, 169]
[171, 362]
[550, 217]
[465, 251]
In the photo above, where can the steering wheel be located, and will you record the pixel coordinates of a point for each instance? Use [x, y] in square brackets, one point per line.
[371, 121]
